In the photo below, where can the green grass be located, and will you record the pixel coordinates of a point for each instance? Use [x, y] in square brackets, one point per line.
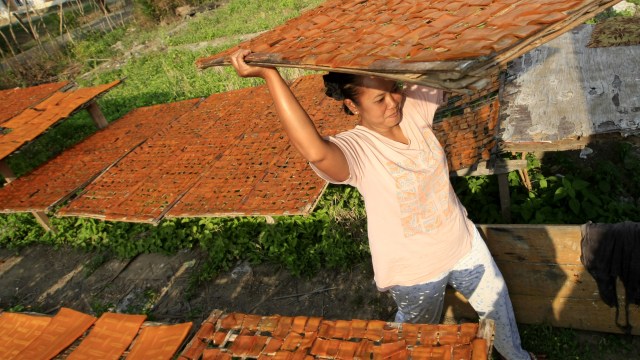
[241, 17]
[334, 235]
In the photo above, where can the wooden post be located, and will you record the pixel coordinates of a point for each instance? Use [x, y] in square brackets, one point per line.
[6, 172]
[524, 175]
[505, 197]
[97, 116]
[43, 220]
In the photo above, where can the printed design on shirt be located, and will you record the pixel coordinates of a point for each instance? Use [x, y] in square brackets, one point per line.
[424, 193]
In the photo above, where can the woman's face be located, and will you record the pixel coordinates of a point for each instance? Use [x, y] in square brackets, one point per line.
[379, 104]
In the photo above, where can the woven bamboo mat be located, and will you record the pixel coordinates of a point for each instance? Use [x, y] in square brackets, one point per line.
[448, 44]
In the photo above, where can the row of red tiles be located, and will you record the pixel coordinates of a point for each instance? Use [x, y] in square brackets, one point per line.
[223, 336]
[265, 348]
[374, 330]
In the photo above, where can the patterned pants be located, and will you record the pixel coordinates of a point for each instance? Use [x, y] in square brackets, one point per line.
[477, 277]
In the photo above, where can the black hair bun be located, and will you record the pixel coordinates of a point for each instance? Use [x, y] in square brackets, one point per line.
[333, 86]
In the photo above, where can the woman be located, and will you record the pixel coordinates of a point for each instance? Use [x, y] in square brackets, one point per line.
[419, 234]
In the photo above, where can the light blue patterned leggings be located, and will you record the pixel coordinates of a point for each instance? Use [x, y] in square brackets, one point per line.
[477, 277]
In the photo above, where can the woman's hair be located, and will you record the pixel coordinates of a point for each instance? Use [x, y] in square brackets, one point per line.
[341, 86]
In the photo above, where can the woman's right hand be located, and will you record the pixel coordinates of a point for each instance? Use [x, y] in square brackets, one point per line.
[245, 70]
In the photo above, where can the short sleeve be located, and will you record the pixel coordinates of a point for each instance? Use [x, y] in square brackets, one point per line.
[349, 149]
[423, 102]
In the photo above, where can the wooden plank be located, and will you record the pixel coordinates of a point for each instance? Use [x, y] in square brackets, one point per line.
[97, 115]
[44, 221]
[571, 313]
[500, 166]
[548, 280]
[550, 244]
[505, 197]
[582, 314]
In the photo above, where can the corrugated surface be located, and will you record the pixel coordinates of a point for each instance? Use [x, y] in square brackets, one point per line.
[234, 335]
[15, 101]
[62, 176]
[450, 44]
[32, 122]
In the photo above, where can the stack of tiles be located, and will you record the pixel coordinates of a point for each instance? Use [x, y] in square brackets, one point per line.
[236, 335]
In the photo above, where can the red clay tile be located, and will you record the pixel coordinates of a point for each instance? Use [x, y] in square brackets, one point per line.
[410, 333]
[479, 349]
[219, 337]
[269, 323]
[462, 352]
[215, 354]
[159, 342]
[327, 329]
[31, 123]
[347, 350]
[67, 326]
[364, 350]
[358, 329]
[292, 341]
[393, 350]
[273, 346]
[283, 328]
[390, 334]
[17, 331]
[109, 338]
[15, 101]
[308, 340]
[342, 329]
[245, 345]
[375, 330]
[251, 322]
[232, 321]
[299, 324]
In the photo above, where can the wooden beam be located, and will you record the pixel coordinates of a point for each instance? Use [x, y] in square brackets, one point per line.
[6, 171]
[97, 116]
[43, 220]
[505, 197]
[499, 166]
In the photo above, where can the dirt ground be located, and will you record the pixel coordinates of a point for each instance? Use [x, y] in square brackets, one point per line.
[43, 279]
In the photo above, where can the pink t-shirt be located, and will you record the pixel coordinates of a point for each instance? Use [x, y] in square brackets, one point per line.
[417, 227]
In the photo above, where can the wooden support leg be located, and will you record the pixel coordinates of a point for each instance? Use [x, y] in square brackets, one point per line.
[97, 116]
[6, 172]
[43, 220]
[505, 197]
[524, 175]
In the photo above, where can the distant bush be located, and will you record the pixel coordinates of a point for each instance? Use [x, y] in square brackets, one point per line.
[159, 10]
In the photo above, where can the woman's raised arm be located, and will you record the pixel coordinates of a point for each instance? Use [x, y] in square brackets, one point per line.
[325, 155]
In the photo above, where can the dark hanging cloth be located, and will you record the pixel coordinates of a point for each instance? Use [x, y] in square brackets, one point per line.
[611, 251]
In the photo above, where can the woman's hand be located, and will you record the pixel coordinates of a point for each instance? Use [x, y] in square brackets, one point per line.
[245, 70]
